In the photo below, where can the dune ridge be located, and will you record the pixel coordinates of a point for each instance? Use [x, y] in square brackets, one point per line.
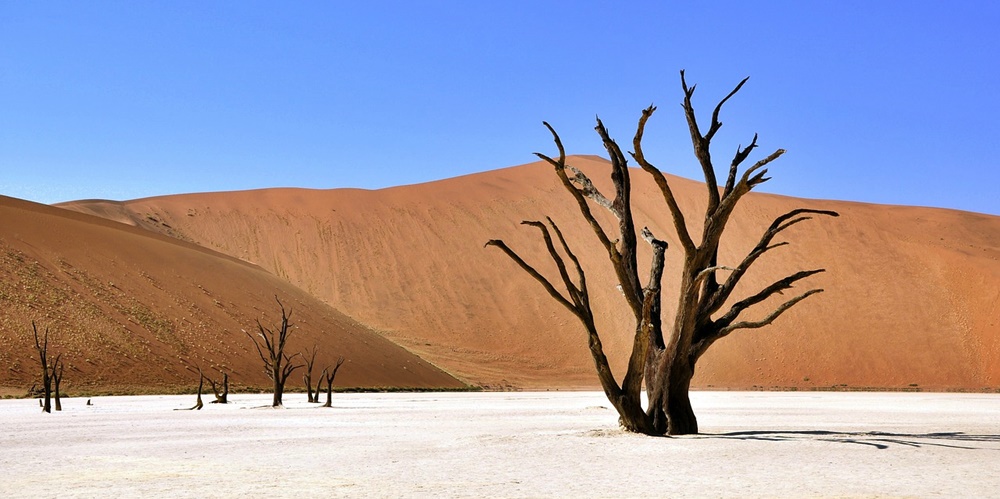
[131, 309]
[911, 296]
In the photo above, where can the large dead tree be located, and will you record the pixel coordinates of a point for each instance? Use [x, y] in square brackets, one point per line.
[277, 365]
[665, 358]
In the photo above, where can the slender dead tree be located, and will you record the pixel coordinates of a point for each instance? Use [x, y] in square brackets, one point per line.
[310, 359]
[277, 365]
[664, 358]
[43, 358]
[57, 376]
[201, 385]
[329, 375]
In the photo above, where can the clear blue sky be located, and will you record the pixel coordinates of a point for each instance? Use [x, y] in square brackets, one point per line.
[887, 102]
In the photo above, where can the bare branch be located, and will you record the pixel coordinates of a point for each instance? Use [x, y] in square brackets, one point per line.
[558, 141]
[709, 271]
[738, 159]
[680, 226]
[624, 260]
[715, 220]
[533, 273]
[751, 182]
[581, 200]
[260, 351]
[588, 189]
[719, 297]
[770, 318]
[716, 124]
[776, 287]
[701, 147]
[581, 289]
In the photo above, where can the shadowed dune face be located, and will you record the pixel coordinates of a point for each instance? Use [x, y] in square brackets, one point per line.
[128, 308]
[911, 295]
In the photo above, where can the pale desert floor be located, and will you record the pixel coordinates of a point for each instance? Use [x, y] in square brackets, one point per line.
[563, 444]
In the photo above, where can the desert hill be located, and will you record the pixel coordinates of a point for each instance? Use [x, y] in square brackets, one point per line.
[128, 308]
[912, 294]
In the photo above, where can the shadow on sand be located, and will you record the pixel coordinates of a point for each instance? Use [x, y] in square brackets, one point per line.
[876, 439]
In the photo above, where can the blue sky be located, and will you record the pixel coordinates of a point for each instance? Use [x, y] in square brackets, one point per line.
[885, 102]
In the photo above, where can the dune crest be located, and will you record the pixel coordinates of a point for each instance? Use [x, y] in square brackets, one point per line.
[911, 295]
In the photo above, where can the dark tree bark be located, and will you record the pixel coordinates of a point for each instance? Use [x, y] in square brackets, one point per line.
[310, 358]
[329, 375]
[277, 365]
[665, 361]
[43, 353]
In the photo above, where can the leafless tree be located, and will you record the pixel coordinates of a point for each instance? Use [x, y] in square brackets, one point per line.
[329, 375]
[277, 365]
[57, 376]
[665, 360]
[201, 385]
[310, 359]
[221, 397]
[42, 347]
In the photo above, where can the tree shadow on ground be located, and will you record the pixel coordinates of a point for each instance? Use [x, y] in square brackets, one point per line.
[877, 439]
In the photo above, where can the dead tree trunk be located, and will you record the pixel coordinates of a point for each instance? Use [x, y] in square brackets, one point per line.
[43, 352]
[307, 375]
[666, 362]
[201, 385]
[277, 365]
[57, 375]
[329, 375]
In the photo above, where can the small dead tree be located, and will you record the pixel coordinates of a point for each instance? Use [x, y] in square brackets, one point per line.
[277, 365]
[329, 375]
[310, 359]
[221, 397]
[665, 359]
[43, 358]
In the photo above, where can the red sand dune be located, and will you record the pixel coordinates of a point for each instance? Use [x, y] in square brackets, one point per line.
[912, 294]
[127, 308]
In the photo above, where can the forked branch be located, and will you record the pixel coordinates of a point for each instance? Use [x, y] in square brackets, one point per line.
[770, 318]
[777, 287]
[714, 302]
[680, 226]
[533, 273]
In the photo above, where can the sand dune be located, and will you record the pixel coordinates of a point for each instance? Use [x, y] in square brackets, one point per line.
[912, 294]
[128, 308]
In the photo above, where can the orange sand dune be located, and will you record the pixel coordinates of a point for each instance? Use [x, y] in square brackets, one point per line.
[127, 308]
[912, 294]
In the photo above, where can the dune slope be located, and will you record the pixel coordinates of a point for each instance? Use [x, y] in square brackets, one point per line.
[911, 295]
[129, 309]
